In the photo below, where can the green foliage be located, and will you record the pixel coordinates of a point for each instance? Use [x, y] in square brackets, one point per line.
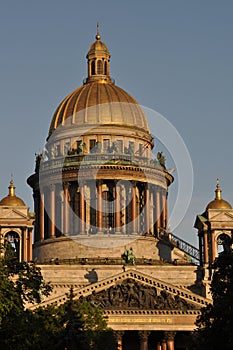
[215, 324]
[73, 325]
[84, 326]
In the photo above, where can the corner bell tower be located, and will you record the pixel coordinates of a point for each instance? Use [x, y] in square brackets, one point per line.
[215, 228]
[16, 224]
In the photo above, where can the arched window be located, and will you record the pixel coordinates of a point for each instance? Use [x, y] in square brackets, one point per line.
[93, 68]
[223, 243]
[105, 68]
[99, 67]
[13, 238]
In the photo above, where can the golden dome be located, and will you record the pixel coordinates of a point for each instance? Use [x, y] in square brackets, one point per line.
[98, 45]
[12, 200]
[99, 100]
[218, 202]
[96, 103]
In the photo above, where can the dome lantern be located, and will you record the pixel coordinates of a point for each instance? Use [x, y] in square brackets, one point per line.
[98, 61]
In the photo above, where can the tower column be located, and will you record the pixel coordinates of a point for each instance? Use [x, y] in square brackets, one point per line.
[134, 208]
[119, 336]
[52, 211]
[82, 208]
[24, 244]
[66, 208]
[200, 249]
[41, 216]
[36, 197]
[164, 210]
[117, 208]
[143, 336]
[164, 345]
[206, 253]
[169, 336]
[147, 209]
[99, 206]
[29, 244]
[157, 210]
[152, 211]
[213, 248]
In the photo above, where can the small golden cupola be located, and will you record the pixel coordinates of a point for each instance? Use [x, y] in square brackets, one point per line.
[12, 200]
[218, 202]
[98, 61]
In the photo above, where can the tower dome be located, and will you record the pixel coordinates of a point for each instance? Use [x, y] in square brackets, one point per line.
[12, 200]
[218, 202]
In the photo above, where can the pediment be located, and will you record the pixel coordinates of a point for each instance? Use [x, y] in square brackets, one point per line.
[222, 216]
[133, 289]
[12, 214]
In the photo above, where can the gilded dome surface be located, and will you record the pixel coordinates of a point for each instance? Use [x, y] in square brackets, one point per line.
[99, 100]
[98, 45]
[12, 200]
[97, 103]
[219, 204]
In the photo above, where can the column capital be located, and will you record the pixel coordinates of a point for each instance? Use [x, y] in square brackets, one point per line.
[119, 334]
[99, 183]
[169, 335]
[52, 187]
[143, 335]
[66, 184]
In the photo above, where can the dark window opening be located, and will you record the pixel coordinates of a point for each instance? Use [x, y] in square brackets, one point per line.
[105, 68]
[99, 67]
[92, 144]
[93, 68]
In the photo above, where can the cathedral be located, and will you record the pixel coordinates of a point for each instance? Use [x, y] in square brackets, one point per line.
[100, 220]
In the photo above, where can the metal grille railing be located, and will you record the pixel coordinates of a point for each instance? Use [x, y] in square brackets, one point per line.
[189, 249]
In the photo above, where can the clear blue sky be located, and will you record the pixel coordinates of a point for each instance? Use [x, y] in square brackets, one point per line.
[174, 56]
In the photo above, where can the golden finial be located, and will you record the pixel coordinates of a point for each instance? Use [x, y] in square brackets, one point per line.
[11, 187]
[97, 32]
[218, 190]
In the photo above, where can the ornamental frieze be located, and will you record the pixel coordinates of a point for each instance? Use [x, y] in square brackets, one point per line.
[133, 295]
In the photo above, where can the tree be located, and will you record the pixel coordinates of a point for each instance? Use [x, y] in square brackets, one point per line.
[215, 324]
[20, 282]
[84, 326]
[74, 325]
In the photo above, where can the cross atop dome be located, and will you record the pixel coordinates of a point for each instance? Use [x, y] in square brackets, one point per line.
[98, 37]
[218, 190]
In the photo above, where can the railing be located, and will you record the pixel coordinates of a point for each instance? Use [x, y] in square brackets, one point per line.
[189, 249]
[103, 261]
[100, 159]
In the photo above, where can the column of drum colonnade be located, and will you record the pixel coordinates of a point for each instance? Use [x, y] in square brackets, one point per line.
[146, 205]
[167, 343]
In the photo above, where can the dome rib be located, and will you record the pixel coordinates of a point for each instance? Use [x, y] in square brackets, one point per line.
[110, 104]
[109, 107]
